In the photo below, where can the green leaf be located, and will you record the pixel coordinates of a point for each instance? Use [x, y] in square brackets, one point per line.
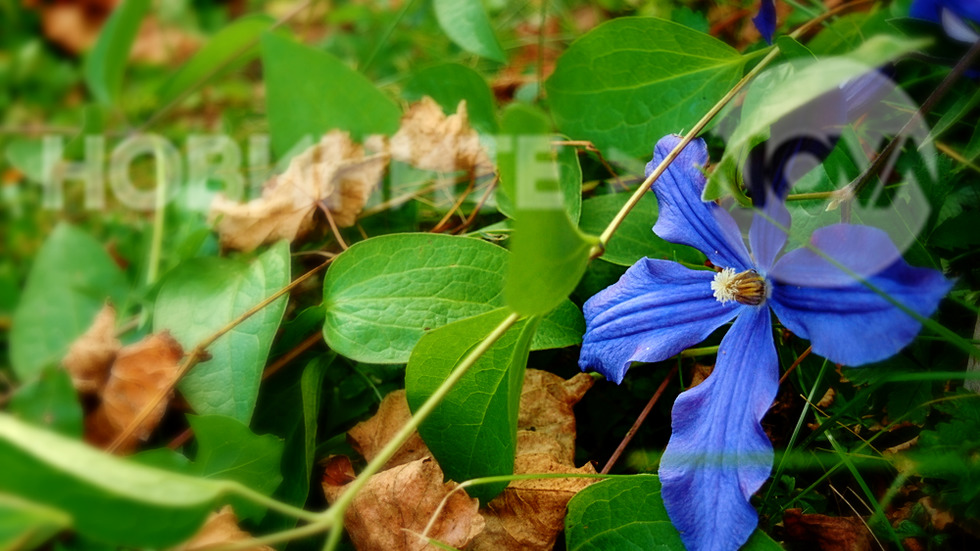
[228, 450]
[631, 81]
[383, 294]
[620, 513]
[49, 400]
[548, 252]
[106, 496]
[466, 23]
[27, 525]
[201, 296]
[628, 513]
[289, 407]
[229, 49]
[521, 119]
[473, 431]
[563, 327]
[105, 64]
[777, 93]
[635, 238]
[518, 154]
[310, 92]
[449, 83]
[70, 280]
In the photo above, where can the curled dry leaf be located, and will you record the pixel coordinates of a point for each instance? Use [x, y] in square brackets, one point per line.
[90, 356]
[141, 371]
[75, 25]
[333, 173]
[527, 515]
[828, 533]
[368, 437]
[221, 527]
[395, 506]
[431, 140]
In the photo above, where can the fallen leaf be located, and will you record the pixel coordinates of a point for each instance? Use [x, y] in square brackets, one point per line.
[395, 506]
[828, 398]
[140, 372]
[430, 140]
[529, 514]
[368, 437]
[828, 533]
[90, 357]
[221, 527]
[74, 25]
[333, 173]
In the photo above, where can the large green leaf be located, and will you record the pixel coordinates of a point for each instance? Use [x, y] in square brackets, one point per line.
[632, 80]
[466, 23]
[635, 238]
[229, 450]
[383, 294]
[49, 400]
[473, 431]
[108, 498]
[230, 48]
[780, 91]
[548, 252]
[105, 64]
[289, 407]
[70, 280]
[528, 160]
[620, 513]
[628, 513]
[310, 92]
[27, 525]
[449, 83]
[203, 295]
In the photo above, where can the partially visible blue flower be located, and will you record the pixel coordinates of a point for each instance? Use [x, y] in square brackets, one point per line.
[954, 16]
[765, 20]
[718, 455]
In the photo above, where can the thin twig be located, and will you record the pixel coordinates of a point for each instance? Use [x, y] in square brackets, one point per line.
[796, 364]
[281, 362]
[639, 421]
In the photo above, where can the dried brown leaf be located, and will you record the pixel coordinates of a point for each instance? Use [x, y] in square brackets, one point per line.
[74, 25]
[90, 357]
[546, 420]
[828, 533]
[141, 371]
[529, 514]
[221, 527]
[395, 506]
[431, 140]
[333, 173]
[368, 437]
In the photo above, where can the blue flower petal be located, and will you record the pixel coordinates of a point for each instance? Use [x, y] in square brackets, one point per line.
[657, 309]
[718, 454]
[687, 220]
[765, 20]
[925, 9]
[768, 232]
[846, 321]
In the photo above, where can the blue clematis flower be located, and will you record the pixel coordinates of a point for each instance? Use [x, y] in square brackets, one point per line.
[954, 15]
[718, 455]
[765, 20]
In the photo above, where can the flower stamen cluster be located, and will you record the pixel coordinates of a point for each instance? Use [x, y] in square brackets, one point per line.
[747, 287]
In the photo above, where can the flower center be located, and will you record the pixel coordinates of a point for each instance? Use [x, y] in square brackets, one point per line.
[747, 287]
